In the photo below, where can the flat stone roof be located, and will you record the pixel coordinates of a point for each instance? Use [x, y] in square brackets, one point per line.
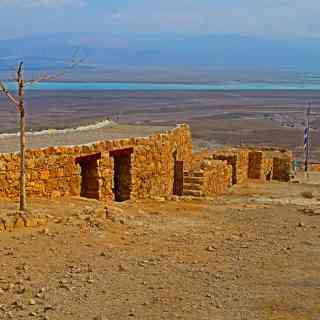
[10, 143]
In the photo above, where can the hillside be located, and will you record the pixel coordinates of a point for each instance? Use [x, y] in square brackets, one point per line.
[229, 56]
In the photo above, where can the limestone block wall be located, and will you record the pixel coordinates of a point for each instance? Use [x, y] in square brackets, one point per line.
[282, 168]
[267, 166]
[207, 177]
[217, 177]
[153, 163]
[53, 171]
[260, 166]
[315, 167]
[270, 163]
[238, 159]
[255, 170]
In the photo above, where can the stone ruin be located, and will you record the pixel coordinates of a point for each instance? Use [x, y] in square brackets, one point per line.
[314, 166]
[161, 165]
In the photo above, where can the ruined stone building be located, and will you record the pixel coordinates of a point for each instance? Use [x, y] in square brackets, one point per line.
[140, 167]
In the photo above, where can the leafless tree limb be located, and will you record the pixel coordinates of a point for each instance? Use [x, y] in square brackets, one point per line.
[47, 77]
[19, 102]
[7, 93]
[19, 70]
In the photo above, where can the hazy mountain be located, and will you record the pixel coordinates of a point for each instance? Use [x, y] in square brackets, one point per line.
[227, 52]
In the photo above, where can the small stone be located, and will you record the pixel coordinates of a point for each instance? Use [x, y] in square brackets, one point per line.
[121, 268]
[210, 248]
[58, 220]
[18, 305]
[32, 302]
[45, 231]
[48, 307]
[100, 317]
[131, 313]
[300, 224]
[9, 287]
[21, 290]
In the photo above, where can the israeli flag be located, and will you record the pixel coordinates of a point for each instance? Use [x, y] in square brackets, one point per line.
[306, 140]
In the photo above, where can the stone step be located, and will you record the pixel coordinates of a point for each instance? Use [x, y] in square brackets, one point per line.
[194, 174]
[196, 180]
[193, 193]
[189, 186]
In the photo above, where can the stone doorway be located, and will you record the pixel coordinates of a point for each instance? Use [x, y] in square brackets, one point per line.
[177, 176]
[268, 176]
[122, 180]
[90, 186]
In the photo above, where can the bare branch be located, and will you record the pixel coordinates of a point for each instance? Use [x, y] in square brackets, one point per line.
[7, 93]
[47, 77]
[19, 70]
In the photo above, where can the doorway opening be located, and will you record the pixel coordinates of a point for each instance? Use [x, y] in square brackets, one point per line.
[177, 176]
[268, 176]
[90, 187]
[122, 180]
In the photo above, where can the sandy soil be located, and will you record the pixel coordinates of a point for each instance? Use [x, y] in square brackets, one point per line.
[252, 254]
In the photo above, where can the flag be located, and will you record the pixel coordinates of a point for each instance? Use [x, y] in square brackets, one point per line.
[306, 140]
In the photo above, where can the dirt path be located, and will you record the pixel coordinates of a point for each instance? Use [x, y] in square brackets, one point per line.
[244, 256]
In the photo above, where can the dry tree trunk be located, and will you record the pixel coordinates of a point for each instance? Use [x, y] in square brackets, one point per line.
[23, 197]
[18, 101]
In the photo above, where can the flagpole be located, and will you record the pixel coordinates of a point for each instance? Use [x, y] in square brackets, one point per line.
[307, 149]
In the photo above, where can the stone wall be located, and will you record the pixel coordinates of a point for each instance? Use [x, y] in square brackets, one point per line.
[260, 166]
[142, 167]
[266, 163]
[217, 177]
[270, 163]
[208, 178]
[255, 170]
[282, 169]
[238, 159]
[56, 171]
[315, 167]
[267, 166]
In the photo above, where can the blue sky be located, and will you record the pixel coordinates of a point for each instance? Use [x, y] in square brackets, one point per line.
[250, 17]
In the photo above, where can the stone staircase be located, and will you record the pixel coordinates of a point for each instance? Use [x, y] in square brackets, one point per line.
[193, 183]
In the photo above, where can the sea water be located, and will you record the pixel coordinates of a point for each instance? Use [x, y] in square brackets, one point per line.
[134, 86]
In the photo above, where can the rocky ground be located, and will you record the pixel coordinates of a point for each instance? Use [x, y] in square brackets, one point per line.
[252, 254]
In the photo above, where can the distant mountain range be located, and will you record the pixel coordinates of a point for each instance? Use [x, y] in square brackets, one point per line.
[170, 52]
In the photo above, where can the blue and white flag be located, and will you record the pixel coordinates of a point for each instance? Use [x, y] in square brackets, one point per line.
[306, 140]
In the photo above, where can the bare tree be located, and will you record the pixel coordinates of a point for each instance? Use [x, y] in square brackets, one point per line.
[19, 102]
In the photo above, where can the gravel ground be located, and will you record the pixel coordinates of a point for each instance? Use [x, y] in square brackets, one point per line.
[11, 143]
[247, 255]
